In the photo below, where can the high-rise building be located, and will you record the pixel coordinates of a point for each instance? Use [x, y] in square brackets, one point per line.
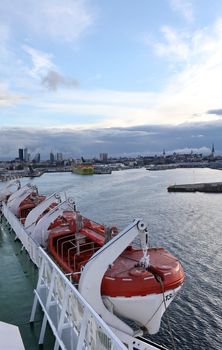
[59, 157]
[103, 157]
[164, 153]
[212, 151]
[37, 158]
[20, 151]
[25, 154]
[51, 157]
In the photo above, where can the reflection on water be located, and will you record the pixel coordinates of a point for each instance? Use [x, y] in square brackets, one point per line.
[187, 224]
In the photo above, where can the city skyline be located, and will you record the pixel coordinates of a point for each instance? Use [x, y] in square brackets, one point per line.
[68, 71]
[24, 154]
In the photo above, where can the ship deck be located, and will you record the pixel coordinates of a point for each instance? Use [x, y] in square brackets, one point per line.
[18, 278]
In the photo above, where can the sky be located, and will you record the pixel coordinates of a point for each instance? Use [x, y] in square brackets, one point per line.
[126, 77]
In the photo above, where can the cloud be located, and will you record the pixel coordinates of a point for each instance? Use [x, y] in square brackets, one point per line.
[8, 98]
[184, 8]
[174, 46]
[41, 61]
[195, 71]
[4, 38]
[215, 111]
[45, 70]
[144, 140]
[53, 80]
[64, 20]
[186, 150]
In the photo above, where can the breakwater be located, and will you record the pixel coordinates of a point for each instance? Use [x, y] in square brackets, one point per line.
[212, 187]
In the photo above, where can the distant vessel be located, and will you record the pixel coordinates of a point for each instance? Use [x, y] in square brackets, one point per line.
[102, 170]
[83, 169]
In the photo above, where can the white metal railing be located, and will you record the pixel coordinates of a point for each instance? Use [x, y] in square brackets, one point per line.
[73, 321]
[27, 242]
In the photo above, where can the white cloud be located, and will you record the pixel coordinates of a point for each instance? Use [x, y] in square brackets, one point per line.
[204, 150]
[42, 62]
[8, 98]
[174, 45]
[4, 33]
[57, 19]
[192, 89]
[4, 36]
[45, 70]
[183, 7]
[194, 84]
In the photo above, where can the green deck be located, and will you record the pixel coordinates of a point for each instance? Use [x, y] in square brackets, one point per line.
[18, 278]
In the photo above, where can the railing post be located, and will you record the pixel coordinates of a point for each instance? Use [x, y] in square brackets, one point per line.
[43, 328]
[49, 297]
[62, 316]
[83, 330]
[37, 288]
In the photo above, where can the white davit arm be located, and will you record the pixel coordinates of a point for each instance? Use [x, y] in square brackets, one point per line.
[35, 213]
[18, 197]
[94, 270]
[11, 187]
[40, 232]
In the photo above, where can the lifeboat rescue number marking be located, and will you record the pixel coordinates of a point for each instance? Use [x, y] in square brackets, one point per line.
[169, 296]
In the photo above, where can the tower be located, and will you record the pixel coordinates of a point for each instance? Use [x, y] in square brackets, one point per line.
[164, 153]
[212, 151]
[25, 154]
[52, 157]
[103, 157]
[20, 151]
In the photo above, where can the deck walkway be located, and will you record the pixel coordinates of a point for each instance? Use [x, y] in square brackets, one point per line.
[18, 278]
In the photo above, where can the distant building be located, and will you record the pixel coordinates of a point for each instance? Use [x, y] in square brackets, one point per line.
[51, 157]
[25, 154]
[103, 157]
[164, 153]
[20, 152]
[59, 157]
[212, 151]
[37, 158]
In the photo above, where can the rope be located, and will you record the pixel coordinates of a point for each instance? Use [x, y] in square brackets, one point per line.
[167, 316]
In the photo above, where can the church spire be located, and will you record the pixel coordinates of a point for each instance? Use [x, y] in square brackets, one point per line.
[212, 150]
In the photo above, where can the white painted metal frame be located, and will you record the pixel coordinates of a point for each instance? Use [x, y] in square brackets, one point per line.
[74, 323]
[27, 242]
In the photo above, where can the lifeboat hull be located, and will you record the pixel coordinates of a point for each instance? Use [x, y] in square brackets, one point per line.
[147, 310]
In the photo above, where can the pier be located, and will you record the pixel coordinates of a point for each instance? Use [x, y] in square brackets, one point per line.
[211, 187]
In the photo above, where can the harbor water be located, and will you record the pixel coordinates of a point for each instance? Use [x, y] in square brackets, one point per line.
[189, 225]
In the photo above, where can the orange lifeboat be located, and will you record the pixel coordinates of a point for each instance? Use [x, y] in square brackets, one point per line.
[125, 277]
[28, 204]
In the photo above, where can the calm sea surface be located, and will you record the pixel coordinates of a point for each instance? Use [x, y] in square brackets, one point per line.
[189, 225]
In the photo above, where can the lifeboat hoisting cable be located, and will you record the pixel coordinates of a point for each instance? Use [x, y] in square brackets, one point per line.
[159, 279]
[144, 241]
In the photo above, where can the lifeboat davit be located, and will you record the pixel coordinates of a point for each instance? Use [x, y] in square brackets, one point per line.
[23, 201]
[136, 283]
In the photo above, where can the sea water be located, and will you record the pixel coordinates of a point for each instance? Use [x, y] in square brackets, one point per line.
[189, 225]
